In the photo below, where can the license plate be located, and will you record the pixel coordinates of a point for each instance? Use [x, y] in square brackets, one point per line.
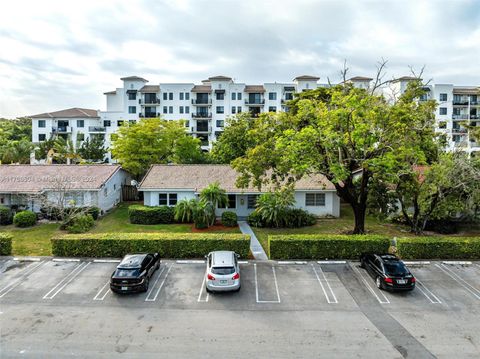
[223, 282]
[124, 288]
[401, 281]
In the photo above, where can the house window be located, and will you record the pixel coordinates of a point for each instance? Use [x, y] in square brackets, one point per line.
[234, 109]
[187, 123]
[42, 137]
[169, 199]
[132, 95]
[181, 95]
[239, 96]
[170, 109]
[105, 191]
[220, 123]
[443, 110]
[234, 96]
[181, 108]
[132, 109]
[443, 97]
[187, 96]
[172, 199]
[272, 96]
[232, 201]
[442, 125]
[41, 123]
[272, 109]
[239, 109]
[165, 110]
[120, 123]
[170, 96]
[107, 123]
[187, 109]
[220, 96]
[80, 136]
[315, 199]
[252, 201]
[288, 96]
[163, 199]
[165, 96]
[80, 123]
[220, 109]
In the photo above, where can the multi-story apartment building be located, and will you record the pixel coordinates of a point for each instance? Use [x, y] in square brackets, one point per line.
[205, 107]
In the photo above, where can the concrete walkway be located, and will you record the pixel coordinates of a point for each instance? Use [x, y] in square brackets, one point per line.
[255, 245]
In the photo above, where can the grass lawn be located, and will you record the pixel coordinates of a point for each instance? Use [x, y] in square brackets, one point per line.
[33, 241]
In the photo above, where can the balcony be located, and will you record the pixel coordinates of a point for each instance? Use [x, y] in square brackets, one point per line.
[201, 115]
[462, 116]
[62, 129]
[460, 102]
[474, 103]
[149, 101]
[201, 102]
[474, 117]
[96, 129]
[149, 114]
[254, 102]
[201, 129]
[459, 130]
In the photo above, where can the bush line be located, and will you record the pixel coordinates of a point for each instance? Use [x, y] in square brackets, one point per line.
[5, 244]
[438, 247]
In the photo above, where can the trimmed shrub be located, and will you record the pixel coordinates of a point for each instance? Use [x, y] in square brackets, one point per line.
[139, 214]
[439, 247]
[169, 245]
[94, 212]
[5, 244]
[229, 219]
[5, 216]
[80, 224]
[288, 218]
[255, 219]
[319, 246]
[25, 219]
[200, 221]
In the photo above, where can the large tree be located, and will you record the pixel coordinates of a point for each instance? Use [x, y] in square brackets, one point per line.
[93, 149]
[152, 140]
[347, 134]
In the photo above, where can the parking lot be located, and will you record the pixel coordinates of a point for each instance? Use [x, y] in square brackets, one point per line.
[334, 307]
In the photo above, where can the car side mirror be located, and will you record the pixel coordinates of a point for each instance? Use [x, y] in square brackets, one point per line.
[237, 255]
[205, 256]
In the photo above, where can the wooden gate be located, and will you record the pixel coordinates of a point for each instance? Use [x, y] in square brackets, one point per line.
[130, 193]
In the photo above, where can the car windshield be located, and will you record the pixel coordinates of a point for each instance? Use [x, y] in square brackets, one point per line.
[223, 270]
[127, 272]
[396, 269]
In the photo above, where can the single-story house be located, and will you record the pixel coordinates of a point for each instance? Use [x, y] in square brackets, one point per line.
[167, 184]
[35, 186]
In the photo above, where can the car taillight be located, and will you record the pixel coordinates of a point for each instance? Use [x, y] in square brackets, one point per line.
[210, 277]
[388, 280]
[236, 276]
[413, 280]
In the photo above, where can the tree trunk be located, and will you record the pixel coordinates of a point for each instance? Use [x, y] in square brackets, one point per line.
[359, 211]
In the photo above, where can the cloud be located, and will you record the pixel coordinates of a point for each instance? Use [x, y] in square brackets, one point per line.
[58, 54]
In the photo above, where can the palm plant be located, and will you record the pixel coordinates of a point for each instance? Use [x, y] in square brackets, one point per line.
[66, 150]
[185, 210]
[272, 206]
[214, 195]
[204, 212]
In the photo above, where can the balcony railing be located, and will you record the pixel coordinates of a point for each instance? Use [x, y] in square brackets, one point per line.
[459, 130]
[202, 129]
[474, 117]
[62, 129]
[96, 129]
[201, 102]
[254, 102]
[201, 115]
[150, 101]
[460, 102]
[474, 103]
[460, 117]
[149, 114]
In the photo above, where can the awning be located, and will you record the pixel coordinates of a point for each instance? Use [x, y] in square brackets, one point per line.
[219, 91]
[289, 88]
[131, 91]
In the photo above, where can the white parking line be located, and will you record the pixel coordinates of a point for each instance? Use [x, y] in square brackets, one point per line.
[106, 260]
[97, 296]
[331, 262]
[147, 299]
[460, 280]
[329, 301]
[416, 263]
[276, 286]
[430, 296]
[385, 301]
[458, 262]
[292, 262]
[26, 259]
[12, 285]
[64, 282]
[65, 260]
[202, 288]
[190, 261]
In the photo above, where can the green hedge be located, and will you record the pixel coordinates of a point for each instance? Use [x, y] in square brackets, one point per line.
[6, 216]
[139, 214]
[25, 219]
[169, 245]
[439, 247]
[229, 219]
[319, 246]
[5, 244]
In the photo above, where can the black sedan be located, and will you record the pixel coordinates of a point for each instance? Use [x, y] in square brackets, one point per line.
[389, 272]
[134, 272]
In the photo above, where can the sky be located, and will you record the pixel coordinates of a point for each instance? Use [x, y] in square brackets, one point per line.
[60, 54]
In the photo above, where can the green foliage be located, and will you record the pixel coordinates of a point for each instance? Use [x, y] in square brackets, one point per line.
[15, 140]
[66, 151]
[325, 246]
[169, 245]
[439, 247]
[81, 224]
[153, 141]
[255, 219]
[93, 149]
[272, 206]
[212, 197]
[42, 148]
[185, 210]
[5, 244]
[6, 216]
[94, 212]
[25, 219]
[139, 214]
[204, 214]
[229, 219]
[289, 218]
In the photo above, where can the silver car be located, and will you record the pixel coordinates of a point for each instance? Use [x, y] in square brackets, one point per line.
[223, 271]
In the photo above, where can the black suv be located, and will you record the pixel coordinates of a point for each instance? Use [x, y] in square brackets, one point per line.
[134, 272]
[389, 272]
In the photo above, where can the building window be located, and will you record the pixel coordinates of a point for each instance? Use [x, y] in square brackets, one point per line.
[315, 199]
[443, 97]
[41, 123]
[132, 122]
[162, 199]
[181, 96]
[170, 96]
[181, 108]
[80, 136]
[272, 109]
[442, 125]
[220, 109]
[105, 191]
[220, 123]
[234, 109]
[165, 109]
[107, 123]
[220, 96]
[165, 96]
[288, 96]
[132, 95]
[239, 109]
[443, 110]
[234, 96]
[187, 96]
[232, 201]
[42, 137]
[170, 109]
[80, 123]
[252, 201]
[132, 109]
[187, 123]
[239, 96]
[187, 109]
[172, 199]
[272, 96]
[120, 123]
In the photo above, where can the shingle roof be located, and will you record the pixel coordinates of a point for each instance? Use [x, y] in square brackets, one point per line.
[150, 88]
[36, 178]
[220, 78]
[360, 78]
[254, 89]
[133, 78]
[197, 177]
[69, 113]
[202, 88]
[114, 92]
[405, 78]
[466, 90]
[306, 78]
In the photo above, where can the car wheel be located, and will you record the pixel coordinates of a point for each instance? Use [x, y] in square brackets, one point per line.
[378, 281]
[158, 265]
[362, 263]
[208, 290]
[238, 289]
[145, 286]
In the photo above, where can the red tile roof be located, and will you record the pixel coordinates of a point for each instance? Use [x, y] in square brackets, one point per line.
[69, 113]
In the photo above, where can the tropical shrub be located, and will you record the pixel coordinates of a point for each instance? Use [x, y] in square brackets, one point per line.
[139, 214]
[229, 219]
[5, 244]
[216, 196]
[81, 223]
[185, 210]
[204, 214]
[25, 219]
[5, 216]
